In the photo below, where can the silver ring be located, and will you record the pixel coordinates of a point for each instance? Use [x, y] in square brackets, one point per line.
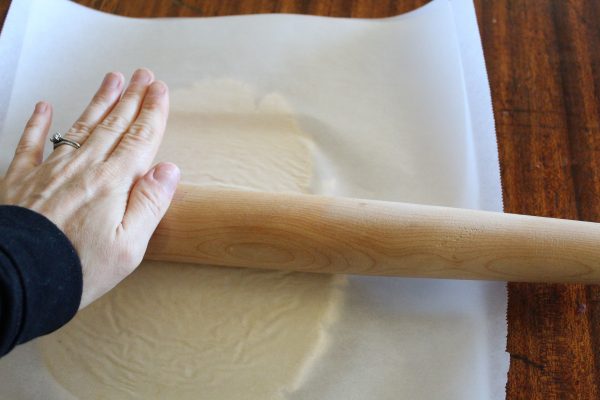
[58, 140]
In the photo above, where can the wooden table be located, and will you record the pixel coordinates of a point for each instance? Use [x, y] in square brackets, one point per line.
[543, 59]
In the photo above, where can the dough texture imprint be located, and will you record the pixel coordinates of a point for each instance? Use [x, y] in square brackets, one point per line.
[185, 331]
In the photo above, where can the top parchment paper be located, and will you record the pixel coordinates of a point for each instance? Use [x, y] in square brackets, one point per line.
[399, 109]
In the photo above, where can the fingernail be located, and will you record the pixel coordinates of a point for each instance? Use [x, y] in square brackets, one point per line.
[141, 76]
[111, 80]
[40, 107]
[167, 175]
[157, 88]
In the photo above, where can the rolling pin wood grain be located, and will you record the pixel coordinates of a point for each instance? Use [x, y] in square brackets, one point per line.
[337, 235]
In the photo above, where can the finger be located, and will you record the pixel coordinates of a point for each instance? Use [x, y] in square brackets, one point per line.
[30, 150]
[101, 104]
[109, 131]
[148, 202]
[139, 145]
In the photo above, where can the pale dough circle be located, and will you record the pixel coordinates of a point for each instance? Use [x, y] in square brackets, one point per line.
[185, 331]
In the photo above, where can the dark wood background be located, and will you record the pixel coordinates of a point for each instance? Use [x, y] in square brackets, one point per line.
[543, 60]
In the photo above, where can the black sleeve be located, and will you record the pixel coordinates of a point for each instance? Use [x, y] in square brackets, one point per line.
[40, 277]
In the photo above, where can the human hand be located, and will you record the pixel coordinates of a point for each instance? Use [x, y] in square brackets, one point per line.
[102, 196]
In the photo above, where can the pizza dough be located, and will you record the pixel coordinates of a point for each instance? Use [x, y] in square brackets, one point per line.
[198, 332]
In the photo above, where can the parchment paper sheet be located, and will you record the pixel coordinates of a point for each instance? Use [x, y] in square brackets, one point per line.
[399, 110]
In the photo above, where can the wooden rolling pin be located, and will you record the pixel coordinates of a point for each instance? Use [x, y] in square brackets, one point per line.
[341, 235]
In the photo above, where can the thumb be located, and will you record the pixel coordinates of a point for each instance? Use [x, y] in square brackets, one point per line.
[149, 200]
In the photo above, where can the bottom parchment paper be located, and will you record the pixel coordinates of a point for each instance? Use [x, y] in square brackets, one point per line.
[385, 109]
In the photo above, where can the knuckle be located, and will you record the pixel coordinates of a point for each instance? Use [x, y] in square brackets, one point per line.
[26, 146]
[67, 174]
[153, 104]
[132, 95]
[66, 171]
[101, 99]
[106, 175]
[141, 131]
[81, 127]
[115, 123]
[152, 202]
[33, 124]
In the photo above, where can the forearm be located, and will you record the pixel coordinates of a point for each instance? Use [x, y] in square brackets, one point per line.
[40, 277]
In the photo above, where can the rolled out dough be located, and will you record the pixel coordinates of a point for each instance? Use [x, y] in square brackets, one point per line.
[186, 331]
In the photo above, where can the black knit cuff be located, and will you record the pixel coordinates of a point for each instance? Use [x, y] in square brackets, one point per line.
[40, 277]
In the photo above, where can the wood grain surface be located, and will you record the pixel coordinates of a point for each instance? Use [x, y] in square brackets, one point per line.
[543, 60]
[337, 235]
